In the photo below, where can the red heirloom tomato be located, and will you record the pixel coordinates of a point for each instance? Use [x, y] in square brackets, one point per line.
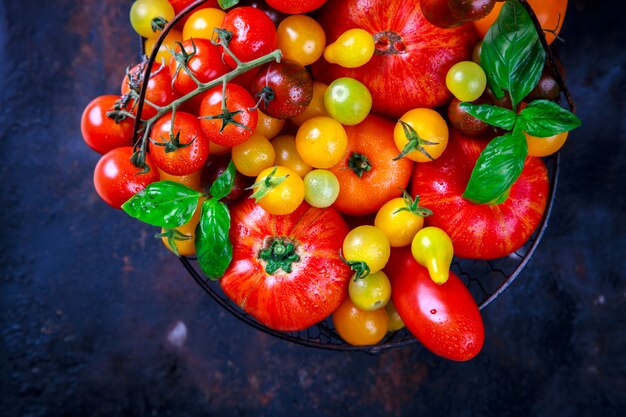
[443, 317]
[116, 179]
[180, 148]
[286, 271]
[480, 231]
[101, 132]
[236, 124]
[412, 56]
[205, 63]
[286, 88]
[295, 6]
[368, 176]
[253, 34]
[160, 91]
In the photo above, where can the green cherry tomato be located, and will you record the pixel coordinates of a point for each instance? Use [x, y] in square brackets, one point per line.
[367, 244]
[321, 188]
[371, 292]
[466, 80]
[348, 101]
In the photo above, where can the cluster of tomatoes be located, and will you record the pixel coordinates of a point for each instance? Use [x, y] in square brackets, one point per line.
[311, 159]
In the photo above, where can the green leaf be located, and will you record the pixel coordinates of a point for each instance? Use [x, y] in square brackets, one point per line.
[512, 55]
[224, 183]
[494, 115]
[213, 247]
[544, 118]
[226, 4]
[164, 204]
[497, 168]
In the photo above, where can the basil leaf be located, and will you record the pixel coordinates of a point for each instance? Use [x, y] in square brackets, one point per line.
[226, 4]
[224, 183]
[544, 118]
[497, 168]
[213, 247]
[494, 115]
[164, 204]
[512, 55]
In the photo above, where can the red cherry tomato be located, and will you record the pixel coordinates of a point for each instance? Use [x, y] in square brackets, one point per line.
[479, 231]
[206, 64]
[236, 124]
[295, 6]
[101, 132]
[116, 179]
[160, 91]
[178, 148]
[253, 34]
[286, 271]
[443, 317]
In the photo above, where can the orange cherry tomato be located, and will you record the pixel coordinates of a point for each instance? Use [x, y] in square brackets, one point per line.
[359, 327]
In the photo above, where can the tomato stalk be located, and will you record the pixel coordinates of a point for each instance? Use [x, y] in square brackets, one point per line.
[359, 164]
[279, 253]
[415, 142]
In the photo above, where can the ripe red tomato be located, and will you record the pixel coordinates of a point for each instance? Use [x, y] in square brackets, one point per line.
[480, 231]
[286, 88]
[286, 271]
[116, 179]
[253, 34]
[160, 91]
[180, 5]
[178, 148]
[295, 6]
[101, 132]
[206, 64]
[412, 56]
[371, 150]
[235, 125]
[443, 317]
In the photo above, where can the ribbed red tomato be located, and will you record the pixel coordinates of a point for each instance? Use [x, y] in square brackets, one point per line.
[480, 231]
[443, 317]
[286, 271]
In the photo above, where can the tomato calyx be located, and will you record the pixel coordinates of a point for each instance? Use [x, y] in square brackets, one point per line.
[389, 43]
[359, 164]
[412, 206]
[266, 185]
[158, 24]
[360, 268]
[415, 142]
[173, 236]
[265, 96]
[182, 61]
[279, 253]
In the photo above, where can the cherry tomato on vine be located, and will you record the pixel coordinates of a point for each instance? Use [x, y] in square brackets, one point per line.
[545, 146]
[179, 147]
[421, 135]
[101, 132]
[116, 179]
[230, 126]
[315, 107]
[144, 12]
[321, 188]
[201, 23]
[371, 292]
[279, 190]
[253, 34]
[287, 154]
[254, 155]
[358, 327]
[159, 89]
[348, 101]
[301, 39]
[321, 142]
[284, 88]
[204, 62]
[367, 244]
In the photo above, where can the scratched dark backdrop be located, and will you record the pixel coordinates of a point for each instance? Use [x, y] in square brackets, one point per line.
[88, 298]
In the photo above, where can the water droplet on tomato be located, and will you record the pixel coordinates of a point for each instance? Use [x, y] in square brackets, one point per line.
[433, 311]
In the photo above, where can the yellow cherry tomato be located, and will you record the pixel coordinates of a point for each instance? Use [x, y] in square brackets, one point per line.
[316, 107]
[268, 126]
[421, 135]
[144, 12]
[287, 155]
[254, 155]
[168, 44]
[180, 240]
[395, 321]
[321, 142]
[201, 23]
[358, 327]
[545, 146]
[353, 48]
[370, 292]
[400, 219]
[301, 39]
[367, 244]
[432, 248]
[278, 190]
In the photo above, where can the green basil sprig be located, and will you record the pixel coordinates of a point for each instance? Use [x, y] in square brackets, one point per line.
[226, 4]
[513, 59]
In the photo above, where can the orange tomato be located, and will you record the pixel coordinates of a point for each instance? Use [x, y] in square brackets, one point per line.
[550, 13]
[359, 327]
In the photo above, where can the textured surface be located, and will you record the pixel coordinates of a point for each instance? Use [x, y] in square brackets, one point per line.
[97, 319]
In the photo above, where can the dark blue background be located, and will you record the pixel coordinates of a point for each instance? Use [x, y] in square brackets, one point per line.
[88, 297]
